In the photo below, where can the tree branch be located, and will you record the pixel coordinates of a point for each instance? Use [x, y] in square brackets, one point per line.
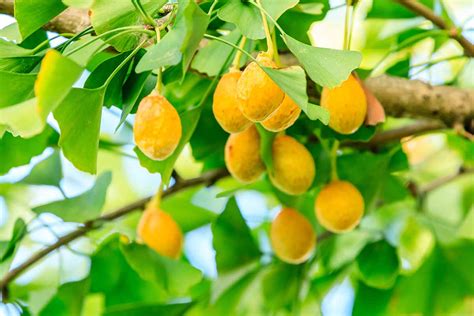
[397, 134]
[206, 179]
[422, 10]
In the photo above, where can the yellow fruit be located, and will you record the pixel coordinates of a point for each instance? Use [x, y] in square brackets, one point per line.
[339, 206]
[159, 231]
[292, 236]
[285, 116]
[242, 155]
[347, 106]
[293, 166]
[157, 128]
[259, 95]
[226, 104]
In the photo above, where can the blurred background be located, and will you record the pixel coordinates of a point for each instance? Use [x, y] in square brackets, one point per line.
[431, 157]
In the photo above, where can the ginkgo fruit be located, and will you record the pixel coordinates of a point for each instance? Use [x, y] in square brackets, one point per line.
[157, 128]
[347, 106]
[339, 206]
[226, 104]
[283, 117]
[242, 155]
[293, 169]
[259, 95]
[292, 237]
[159, 231]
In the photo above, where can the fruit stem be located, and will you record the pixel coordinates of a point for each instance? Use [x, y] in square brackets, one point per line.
[122, 30]
[352, 25]
[238, 55]
[230, 44]
[346, 24]
[146, 17]
[275, 48]
[268, 35]
[123, 63]
[159, 74]
[157, 197]
[211, 9]
[334, 150]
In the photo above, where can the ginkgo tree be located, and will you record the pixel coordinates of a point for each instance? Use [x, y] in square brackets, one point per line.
[219, 108]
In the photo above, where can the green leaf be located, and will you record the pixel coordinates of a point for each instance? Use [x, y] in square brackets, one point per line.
[188, 216]
[9, 49]
[82, 4]
[211, 58]
[340, 250]
[189, 120]
[292, 81]
[177, 277]
[106, 17]
[16, 87]
[441, 285]
[55, 79]
[79, 118]
[33, 14]
[83, 207]
[99, 76]
[17, 151]
[281, 285]
[327, 67]
[378, 299]
[266, 146]
[68, 300]
[46, 172]
[20, 65]
[353, 168]
[416, 244]
[112, 277]
[140, 309]
[7, 248]
[232, 251]
[378, 265]
[306, 14]
[134, 89]
[229, 301]
[247, 17]
[181, 42]
[466, 230]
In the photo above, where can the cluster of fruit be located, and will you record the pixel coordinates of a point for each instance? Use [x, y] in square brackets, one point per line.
[244, 98]
[241, 100]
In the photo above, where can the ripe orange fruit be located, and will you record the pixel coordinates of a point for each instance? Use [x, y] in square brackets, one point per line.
[347, 105]
[226, 104]
[284, 116]
[159, 231]
[293, 166]
[292, 236]
[242, 155]
[157, 128]
[259, 95]
[339, 206]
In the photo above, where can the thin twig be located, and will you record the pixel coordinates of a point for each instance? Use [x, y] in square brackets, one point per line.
[397, 134]
[444, 180]
[206, 179]
[420, 9]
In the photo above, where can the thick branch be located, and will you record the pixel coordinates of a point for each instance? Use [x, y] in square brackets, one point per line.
[207, 179]
[420, 9]
[397, 134]
[413, 98]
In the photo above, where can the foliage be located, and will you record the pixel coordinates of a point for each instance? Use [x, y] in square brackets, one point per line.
[68, 160]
